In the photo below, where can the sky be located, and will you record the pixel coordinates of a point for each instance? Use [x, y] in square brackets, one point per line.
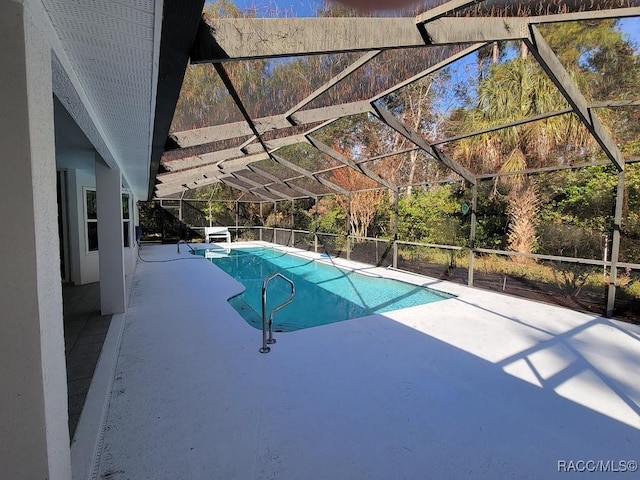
[631, 26]
[292, 8]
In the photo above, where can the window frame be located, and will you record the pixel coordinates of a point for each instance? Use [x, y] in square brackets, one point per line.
[125, 216]
[87, 221]
[126, 222]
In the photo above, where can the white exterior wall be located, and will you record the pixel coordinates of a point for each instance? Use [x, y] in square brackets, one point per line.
[112, 268]
[34, 435]
[131, 253]
[85, 266]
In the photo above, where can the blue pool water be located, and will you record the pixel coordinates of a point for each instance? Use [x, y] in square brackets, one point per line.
[324, 294]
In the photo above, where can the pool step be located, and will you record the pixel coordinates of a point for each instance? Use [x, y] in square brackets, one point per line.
[252, 317]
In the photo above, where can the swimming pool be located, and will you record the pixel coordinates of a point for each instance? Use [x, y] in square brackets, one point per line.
[324, 293]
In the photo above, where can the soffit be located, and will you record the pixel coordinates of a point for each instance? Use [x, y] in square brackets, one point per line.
[111, 48]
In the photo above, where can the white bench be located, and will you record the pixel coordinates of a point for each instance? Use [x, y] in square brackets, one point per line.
[216, 233]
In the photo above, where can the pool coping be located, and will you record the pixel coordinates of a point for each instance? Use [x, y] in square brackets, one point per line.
[358, 268]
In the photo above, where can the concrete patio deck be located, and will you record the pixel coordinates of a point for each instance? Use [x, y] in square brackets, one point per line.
[480, 386]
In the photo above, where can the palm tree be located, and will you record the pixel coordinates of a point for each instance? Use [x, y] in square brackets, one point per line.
[511, 91]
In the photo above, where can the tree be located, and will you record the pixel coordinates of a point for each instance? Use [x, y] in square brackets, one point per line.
[415, 101]
[361, 205]
[329, 216]
[220, 202]
[513, 90]
[607, 67]
[430, 215]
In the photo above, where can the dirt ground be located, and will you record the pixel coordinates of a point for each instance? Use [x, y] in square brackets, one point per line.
[589, 301]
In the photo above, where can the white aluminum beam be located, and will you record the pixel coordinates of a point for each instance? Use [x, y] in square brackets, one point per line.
[229, 181]
[306, 117]
[171, 188]
[275, 144]
[327, 150]
[559, 75]
[273, 189]
[257, 186]
[191, 175]
[200, 136]
[446, 31]
[444, 9]
[165, 192]
[389, 154]
[515, 123]
[364, 59]
[305, 192]
[214, 159]
[588, 15]
[276, 180]
[264, 174]
[430, 70]
[211, 169]
[228, 39]
[235, 164]
[388, 118]
[293, 116]
[210, 158]
[188, 181]
[308, 174]
[167, 189]
[615, 104]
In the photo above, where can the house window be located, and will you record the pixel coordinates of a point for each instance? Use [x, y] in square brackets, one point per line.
[91, 220]
[126, 221]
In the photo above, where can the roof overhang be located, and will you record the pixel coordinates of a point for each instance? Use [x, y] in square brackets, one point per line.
[117, 70]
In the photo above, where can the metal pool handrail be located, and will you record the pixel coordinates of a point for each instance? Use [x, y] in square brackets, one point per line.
[187, 244]
[271, 340]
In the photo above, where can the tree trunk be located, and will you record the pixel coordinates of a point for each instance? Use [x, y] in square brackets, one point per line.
[522, 208]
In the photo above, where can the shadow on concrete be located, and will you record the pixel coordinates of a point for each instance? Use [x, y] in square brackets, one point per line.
[84, 332]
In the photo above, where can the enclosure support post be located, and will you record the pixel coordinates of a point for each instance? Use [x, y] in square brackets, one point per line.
[472, 234]
[237, 217]
[396, 217]
[615, 245]
[315, 225]
[180, 207]
[293, 240]
[210, 214]
[262, 222]
[162, 215]
[275, 221]
[349, 226]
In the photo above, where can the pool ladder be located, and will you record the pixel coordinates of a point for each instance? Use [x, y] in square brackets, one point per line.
[193, 250]
[270, 340]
